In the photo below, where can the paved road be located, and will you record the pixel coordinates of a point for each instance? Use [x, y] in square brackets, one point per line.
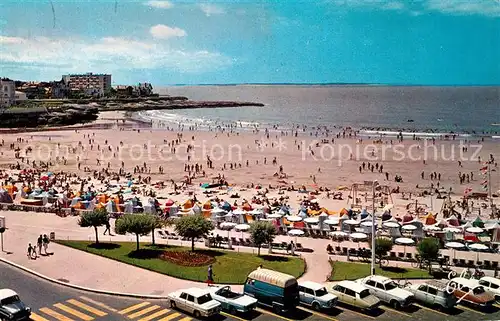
[51, 302]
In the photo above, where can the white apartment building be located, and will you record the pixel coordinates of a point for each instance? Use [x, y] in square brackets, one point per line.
[88, 81]
[7, 92]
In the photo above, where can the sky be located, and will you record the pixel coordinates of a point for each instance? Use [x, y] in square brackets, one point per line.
[419, 42]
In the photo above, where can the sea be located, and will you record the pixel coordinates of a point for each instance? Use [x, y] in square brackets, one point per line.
[384, 110]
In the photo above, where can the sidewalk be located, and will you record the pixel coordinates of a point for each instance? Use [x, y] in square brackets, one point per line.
[92, 271]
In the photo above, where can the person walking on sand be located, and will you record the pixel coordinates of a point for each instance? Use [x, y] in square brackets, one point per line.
[31, 252]
[45, 241]
[39, 244]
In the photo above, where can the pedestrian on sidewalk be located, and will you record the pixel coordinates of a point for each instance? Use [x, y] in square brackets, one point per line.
[108, 226]
[45, 241]
[31, 252]
[210, 279]
[39, 244]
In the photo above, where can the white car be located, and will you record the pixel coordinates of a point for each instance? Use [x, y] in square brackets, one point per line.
[492, 285]
[387, 291]
[233, 301]
[316, 296]
[196, 301]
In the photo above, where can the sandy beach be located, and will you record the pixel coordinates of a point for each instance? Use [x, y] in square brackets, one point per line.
[315, 159]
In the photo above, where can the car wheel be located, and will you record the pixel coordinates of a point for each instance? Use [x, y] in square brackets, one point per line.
[173, 305]
[197, 314]
[316, 306]
[395, 304]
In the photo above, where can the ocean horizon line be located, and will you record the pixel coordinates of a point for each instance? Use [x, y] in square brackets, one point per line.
[332, 84]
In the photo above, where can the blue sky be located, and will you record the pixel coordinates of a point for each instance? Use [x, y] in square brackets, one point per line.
[427, 42]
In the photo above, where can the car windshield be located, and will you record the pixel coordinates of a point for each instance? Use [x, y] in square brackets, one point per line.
[363, 294]
[321, 292]
[390, 286]
[478, 290]
[10, 300]
[204, 299]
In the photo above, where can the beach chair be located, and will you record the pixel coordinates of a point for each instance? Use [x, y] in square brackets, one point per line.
[487, 264]
[248, 242]
[470, 263]
[494, 265]
[242, 241]
[461, 262]
[401, 255]
[408, 256]
[162, 235]
[454, 262]
[234, 241]
[298, 247]
[284, 245]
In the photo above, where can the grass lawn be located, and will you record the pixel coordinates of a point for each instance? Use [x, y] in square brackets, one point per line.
[352, 271]
[229, 267]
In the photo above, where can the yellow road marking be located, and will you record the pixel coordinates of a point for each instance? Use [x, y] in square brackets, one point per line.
[74, 312]
[274, 315]
[318, 314]
[87, 307]
[186, 319]
[143, 312]
[170, 317]
[134, 307]
[496, 305]
[231, 316]
[99, 304]
[472, 310]
[395, 311]
[154, 315]
[55, 314]
[429, 309]
[353, 311]
[36, 317]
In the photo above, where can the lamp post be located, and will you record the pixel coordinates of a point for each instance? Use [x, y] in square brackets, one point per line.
[374, 184]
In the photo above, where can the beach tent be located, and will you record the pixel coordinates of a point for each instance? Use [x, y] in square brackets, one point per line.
[478, 222]
[226, 206]
[188, 204]
[407, 218]
[442, 223]
[111, 207]
[386, 216]
[453, 221]
[429, 219]
[128, 207]
[364, 213]
[344, 212]
[196, 209]
[169, 203]
[495, 234]
[247, 207]
[5, 197]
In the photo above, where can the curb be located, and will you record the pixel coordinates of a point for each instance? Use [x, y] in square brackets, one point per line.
[82, 288]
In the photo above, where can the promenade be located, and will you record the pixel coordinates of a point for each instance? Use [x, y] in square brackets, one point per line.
[91, 271]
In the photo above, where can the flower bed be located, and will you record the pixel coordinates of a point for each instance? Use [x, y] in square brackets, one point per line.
[186, 258]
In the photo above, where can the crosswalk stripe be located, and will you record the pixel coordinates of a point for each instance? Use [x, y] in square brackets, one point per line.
[143, 312]
[99, 304]
[55, 314]
[134, 307]
[36, 317]
[74, 312]
[186, 319]
[170, 317]
[87, 307]
[155, 315]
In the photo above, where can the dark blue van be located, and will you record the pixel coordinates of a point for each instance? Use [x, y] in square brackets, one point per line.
[273, 289]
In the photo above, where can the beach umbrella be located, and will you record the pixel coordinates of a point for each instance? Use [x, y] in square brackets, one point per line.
[256, 211]
[454, 246]
[432, 228]
[242, 227]
[478, 222]
[453, 221]
[478, 247]
[296, 233]
[356, 237]
[226, 206]
[409, 227]
[274, 215]
[239, 212]
[352, 222]
[474, 230]
[227, 225]
[368, 224]
[338, 234]
[218, 210]
[391, 224]
[452, 229]
[293, 218]
[332, 221]
[404, 241]
[311, 220]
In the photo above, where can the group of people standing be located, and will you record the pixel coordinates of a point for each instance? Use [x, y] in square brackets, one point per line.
[42, 241]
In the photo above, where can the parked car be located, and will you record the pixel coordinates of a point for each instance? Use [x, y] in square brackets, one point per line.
[433, 293]
[273, 289]
[11, 306]
[315, 295]
[232, 301]
[492, 285]
[354, 294]
[197, 301]
[470, 291]
[387, 291]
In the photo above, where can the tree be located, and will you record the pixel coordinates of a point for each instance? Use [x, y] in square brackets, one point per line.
[138, 224]
[262, 232]
[96, 218]
[192, 227]
[382, 247]
[159, 223]
[428, 249]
